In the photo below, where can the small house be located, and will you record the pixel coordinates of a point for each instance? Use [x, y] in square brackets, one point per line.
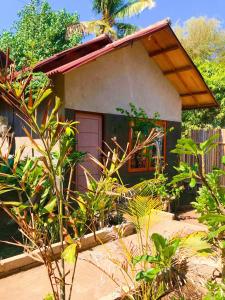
[149, 68]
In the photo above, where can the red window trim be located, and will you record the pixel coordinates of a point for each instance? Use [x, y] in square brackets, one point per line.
[148, 168]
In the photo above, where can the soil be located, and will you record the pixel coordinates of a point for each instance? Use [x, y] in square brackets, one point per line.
[8, 232]
[187, 214]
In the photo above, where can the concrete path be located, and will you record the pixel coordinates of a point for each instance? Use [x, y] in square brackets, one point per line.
[90, 282]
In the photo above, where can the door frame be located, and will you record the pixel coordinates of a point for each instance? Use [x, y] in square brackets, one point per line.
[102, 133]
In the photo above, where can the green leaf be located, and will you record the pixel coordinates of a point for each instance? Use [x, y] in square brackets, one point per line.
[46, 93]
[186, 146]
[215, 233]
[192, 183]
[50, 206]
[147, 276]
[196, 243]
[223, 160]
[145, 258]
[69, 254]
[134, 8]
[11, 203]
[209, 144]
[212, 217]
[222, 244]
[159, 241]
[180, 177]
[49, 297]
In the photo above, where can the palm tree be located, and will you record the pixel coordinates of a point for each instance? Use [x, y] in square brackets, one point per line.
[112, 13]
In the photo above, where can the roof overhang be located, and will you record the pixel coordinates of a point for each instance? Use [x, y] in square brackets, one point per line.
[165, 49]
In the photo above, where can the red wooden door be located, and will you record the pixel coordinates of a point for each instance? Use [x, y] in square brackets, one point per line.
[89, 140]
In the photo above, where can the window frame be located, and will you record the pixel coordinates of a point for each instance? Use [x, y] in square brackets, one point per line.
[148, 168]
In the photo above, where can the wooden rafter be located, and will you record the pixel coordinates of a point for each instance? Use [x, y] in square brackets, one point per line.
[194, 94]
[163, 51]
[165, 54]
[178, 70]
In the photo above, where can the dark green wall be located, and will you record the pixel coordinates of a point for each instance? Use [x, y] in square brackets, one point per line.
[117, 126]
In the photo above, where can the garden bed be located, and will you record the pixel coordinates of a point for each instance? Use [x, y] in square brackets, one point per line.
[25, 261]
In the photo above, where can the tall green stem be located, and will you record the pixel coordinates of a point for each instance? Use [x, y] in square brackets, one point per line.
[60, 203]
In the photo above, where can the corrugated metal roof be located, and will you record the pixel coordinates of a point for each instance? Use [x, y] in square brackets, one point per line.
[109, 47]
[72, 54]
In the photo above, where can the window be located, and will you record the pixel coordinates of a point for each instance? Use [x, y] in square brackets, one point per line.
[146, 159]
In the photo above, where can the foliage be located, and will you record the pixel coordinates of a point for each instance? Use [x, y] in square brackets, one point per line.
[49, 297]
[39, 33]
[39, 181]
[112, 14]
[161, 271]
[43, 197]
[29, 172]
[141, 121]
[159, 188]
[214, 75]
[210, 202]
[203, 38]
[216, 291]
[104, 193]
[142, 124]
[151, 265]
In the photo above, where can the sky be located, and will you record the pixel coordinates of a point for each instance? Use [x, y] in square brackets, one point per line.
[176, 10]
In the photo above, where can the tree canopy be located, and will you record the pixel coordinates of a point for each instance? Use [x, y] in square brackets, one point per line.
[112, 14]
[39, 33]
[204, 40]
[214, 75]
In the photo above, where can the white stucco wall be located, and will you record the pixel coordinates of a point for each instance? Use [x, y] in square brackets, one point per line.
[123, 76]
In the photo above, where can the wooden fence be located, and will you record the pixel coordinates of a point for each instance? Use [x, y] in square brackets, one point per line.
[214, 157]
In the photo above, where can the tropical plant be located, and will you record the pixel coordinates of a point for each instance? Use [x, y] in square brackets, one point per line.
[44, 199]
[150, 265]
[103, 193]
[39, 33]
[160, 271]
[210, 202]
[41, 202]
[112, 14]
[159, 187]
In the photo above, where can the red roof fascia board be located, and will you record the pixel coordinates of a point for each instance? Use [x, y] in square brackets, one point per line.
[110, 47]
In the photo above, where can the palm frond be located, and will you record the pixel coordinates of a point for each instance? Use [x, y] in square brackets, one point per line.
[97, 27]
[124, 29]
[140, 211]
[134, 7]
[196, 244]
[145, 188]
[106, 7]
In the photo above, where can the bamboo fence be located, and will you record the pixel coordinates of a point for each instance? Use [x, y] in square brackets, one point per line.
[214, 157]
